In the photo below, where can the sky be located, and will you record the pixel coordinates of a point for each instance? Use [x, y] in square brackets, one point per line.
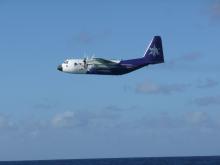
[170, 109]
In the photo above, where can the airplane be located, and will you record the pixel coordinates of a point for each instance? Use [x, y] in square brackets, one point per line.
[101, 66]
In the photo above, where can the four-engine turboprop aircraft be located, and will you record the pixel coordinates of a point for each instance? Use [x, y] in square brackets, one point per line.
[153, 55]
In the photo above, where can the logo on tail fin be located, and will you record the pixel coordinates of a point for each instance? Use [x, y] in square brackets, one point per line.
[154, 51]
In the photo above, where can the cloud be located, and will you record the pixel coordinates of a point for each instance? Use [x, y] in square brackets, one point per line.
[65, 119]
[197, 117]
[6, 123]
[86, 118]
[187, 121]
[111, 120]
[207, 83]
[151, 88]
[207, 101]
[160, 121]
[104, 117]
[201, 121]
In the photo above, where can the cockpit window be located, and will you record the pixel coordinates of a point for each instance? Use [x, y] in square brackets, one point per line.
[75, 63]
[66, 62]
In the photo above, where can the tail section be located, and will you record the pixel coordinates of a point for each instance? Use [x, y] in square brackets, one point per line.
[154, 52]
[153, 55]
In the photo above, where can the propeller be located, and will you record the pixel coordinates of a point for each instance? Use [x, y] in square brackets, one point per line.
[85, 57]
[93, 56]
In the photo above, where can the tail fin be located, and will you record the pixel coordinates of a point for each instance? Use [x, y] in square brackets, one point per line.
[154, 52]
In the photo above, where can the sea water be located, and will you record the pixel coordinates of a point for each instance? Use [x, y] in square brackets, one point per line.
[201, 160]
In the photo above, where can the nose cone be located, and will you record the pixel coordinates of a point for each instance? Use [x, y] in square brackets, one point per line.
[60, 68]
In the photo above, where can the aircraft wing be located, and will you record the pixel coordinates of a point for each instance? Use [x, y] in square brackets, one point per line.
[102, 61]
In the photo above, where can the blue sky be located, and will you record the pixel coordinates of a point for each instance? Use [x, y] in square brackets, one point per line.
[162, 110]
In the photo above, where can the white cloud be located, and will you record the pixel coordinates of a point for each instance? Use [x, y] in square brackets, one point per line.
[5, 123]
[86, 118]
[65, 119]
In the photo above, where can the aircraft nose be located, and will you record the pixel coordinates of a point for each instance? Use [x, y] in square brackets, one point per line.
[60, 68]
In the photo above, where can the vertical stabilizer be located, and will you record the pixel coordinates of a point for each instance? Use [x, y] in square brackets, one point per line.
[154, 52]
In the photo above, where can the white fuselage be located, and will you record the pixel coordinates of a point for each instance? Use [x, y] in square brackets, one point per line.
[83, 66]
[76, 66]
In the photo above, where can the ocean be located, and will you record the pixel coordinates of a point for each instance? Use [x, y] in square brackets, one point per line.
[201, 160]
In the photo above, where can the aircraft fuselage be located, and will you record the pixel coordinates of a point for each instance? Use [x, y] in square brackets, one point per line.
[153, 55]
